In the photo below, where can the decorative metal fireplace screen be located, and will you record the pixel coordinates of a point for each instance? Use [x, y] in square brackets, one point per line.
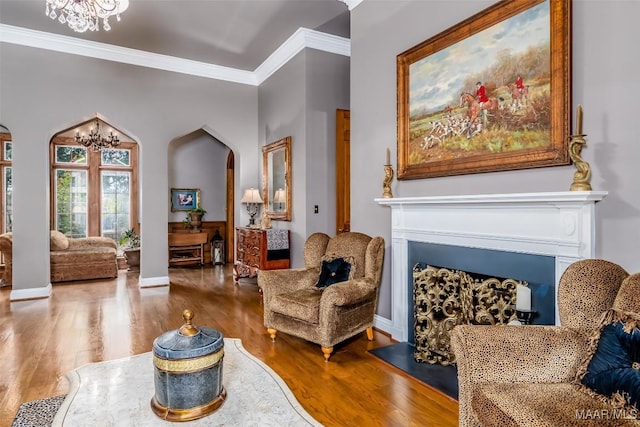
[444, 298]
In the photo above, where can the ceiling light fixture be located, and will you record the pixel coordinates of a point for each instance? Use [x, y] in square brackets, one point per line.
[95, 141]
[83, 15]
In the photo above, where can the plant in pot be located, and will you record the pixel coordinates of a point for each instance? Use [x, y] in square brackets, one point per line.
[194, 219]
[130, 243]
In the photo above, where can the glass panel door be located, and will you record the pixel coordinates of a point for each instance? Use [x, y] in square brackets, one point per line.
[116, 203]
[71, 202]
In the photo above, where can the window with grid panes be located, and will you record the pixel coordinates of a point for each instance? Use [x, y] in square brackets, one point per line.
[95, 192]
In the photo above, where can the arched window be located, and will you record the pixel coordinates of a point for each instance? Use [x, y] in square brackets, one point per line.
[95, 193]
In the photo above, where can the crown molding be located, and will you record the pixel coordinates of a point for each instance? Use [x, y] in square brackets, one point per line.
[351, 4]
[76, 46]
[301, 39]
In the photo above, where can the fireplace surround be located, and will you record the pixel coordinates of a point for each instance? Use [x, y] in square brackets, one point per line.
[560, 225]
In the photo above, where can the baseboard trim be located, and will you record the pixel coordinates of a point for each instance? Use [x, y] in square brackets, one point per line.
[31, 293]
[383, 324]
[151, 282]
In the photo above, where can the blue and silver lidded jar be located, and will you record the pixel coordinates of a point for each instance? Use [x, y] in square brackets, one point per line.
[188, 372]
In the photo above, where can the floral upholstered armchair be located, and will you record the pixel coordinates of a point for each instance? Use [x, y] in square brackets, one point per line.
[585, 372]
[333, 297]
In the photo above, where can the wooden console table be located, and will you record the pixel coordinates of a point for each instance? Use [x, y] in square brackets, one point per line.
[259, 249]
[186, 248]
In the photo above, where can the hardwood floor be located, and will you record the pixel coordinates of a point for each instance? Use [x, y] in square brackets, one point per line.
[83, 322]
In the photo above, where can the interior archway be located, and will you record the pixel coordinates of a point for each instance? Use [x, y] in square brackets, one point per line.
[6, 172]
[201, 164]
[6, 198]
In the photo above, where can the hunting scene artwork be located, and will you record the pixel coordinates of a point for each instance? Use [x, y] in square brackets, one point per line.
[493, 100]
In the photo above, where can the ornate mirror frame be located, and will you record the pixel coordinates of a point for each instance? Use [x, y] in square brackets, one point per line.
[276, 175]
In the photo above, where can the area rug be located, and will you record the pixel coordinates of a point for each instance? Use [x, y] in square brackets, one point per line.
[37, 413]
[118, 393]
[400, 355]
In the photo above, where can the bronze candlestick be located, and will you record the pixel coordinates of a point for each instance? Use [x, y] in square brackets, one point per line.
[582, 175]
[388, 176]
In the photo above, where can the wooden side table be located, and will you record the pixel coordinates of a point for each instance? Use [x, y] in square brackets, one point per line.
[254, 251]
[186, 248]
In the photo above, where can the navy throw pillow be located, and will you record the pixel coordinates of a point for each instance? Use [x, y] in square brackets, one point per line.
[615, 365]
[333, 271]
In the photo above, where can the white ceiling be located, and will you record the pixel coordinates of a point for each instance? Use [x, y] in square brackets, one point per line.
[240, 34]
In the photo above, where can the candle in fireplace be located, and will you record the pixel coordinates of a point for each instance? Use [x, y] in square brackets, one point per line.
[523, 298]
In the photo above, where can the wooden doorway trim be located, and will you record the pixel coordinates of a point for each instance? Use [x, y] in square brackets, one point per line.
[4, 137]
[343, 171]
[230, 208]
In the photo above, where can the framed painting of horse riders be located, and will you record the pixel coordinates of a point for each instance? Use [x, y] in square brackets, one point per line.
[491, 93]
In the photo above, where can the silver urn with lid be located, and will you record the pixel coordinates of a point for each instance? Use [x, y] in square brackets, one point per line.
[188, 372]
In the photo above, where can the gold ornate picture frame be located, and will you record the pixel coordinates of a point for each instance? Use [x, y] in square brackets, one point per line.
[276, 180]
[514, 57]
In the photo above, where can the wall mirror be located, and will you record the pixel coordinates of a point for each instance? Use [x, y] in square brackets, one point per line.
[276, 179]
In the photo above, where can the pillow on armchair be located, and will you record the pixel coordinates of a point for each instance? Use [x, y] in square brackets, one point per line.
[335, 270]
[59, 242]
[612, 369]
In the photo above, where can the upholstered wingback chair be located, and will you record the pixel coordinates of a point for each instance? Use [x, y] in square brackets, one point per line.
[327, 316]
[526, 375]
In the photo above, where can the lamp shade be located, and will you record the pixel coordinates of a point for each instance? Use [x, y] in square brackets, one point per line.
[251, 195]
[279, 196]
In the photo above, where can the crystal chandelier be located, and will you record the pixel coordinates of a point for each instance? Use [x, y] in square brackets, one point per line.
[83, 15]
[95, 141]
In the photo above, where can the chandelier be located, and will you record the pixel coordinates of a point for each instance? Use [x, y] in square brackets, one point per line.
[95, 141]
[83, 15]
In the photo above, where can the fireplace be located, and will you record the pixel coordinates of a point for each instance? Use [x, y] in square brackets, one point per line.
[555, 229]
[537, 270]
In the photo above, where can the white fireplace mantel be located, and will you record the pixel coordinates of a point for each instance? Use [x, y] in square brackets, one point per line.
[557, 224]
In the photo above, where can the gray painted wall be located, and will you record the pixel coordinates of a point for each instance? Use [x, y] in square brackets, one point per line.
[200, 161]
[45, 92]
[328, 90]
[604, 81]
[282, 113]
[300, 100]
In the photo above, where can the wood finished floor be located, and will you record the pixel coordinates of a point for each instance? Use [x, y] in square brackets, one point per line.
[83, 322]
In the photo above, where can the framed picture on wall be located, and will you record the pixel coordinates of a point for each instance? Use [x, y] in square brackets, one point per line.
[184, 199]
[491, 93]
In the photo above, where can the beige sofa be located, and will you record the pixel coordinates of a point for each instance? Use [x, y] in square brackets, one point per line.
[71, 258]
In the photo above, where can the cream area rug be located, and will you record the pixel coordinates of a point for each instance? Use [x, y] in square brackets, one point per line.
[118, 393]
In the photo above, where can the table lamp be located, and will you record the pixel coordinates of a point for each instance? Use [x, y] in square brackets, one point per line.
[252, 199]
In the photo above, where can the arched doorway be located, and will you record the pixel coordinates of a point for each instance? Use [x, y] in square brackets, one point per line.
[6, 172]
[202, 165]
[6, 198]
